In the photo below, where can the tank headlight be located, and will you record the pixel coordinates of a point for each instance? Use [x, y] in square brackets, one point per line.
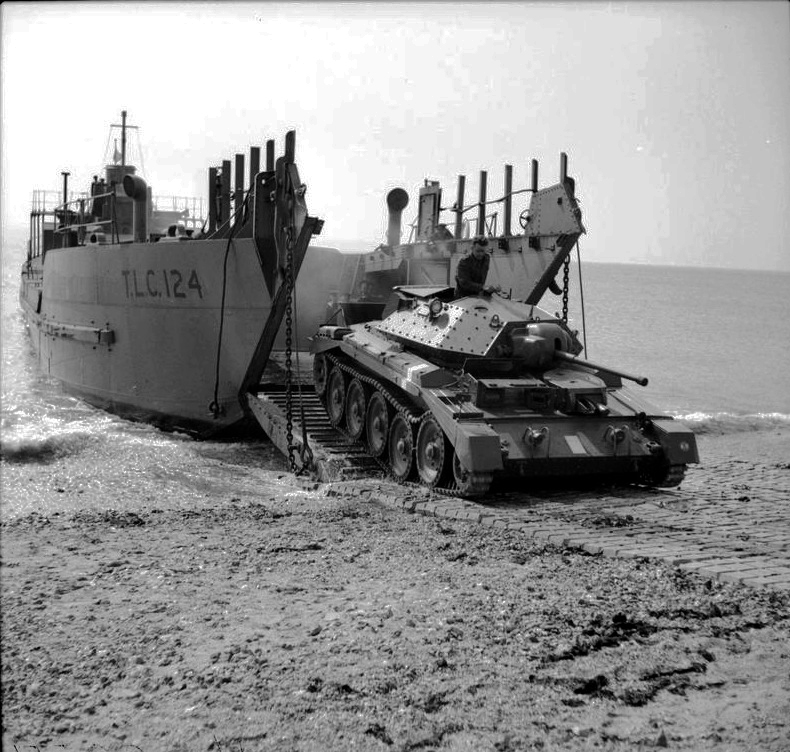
[495, 323]
[435, 307]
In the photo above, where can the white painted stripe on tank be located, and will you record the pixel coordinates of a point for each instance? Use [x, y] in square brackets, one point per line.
[575, 444]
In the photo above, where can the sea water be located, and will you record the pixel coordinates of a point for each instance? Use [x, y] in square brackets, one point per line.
[714, 344]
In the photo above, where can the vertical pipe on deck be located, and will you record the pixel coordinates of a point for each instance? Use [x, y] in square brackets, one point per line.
[238, 196]
[65, 187]
[459, 204]
[534, 175]
[563, 167]
[63, 236]
[481, 204]
[224, 196]
[290, 146]
[508, 199]
[270, 155]
[212, 199]
[255, 162]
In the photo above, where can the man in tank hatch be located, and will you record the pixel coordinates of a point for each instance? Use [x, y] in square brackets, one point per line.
[470, 277]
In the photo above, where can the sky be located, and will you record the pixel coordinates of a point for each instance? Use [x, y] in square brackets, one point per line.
[675, 115]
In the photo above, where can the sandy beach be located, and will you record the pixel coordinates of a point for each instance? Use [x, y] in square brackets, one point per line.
[281, 618]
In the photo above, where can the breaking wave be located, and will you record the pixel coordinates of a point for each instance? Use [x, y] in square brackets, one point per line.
[43, 449]
[722, 423]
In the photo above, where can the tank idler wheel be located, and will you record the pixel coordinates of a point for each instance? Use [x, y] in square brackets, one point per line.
[470, 484]
[377, 424]
[355, 409]
[666, 476]
[400, 445]
[335, 396]
[433, 453]
[320, 374]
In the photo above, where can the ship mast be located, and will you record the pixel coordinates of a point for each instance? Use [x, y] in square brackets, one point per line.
[123, 138]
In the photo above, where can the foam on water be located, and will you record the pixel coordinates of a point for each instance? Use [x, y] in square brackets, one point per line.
[43, 449]
[719, 424]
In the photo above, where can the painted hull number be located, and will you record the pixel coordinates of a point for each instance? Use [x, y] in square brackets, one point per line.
[161, 283]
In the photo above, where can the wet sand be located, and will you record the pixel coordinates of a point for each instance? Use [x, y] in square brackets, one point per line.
[237, 611]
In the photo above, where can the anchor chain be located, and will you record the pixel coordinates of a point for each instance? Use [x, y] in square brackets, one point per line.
[565, 288]
[289, 288]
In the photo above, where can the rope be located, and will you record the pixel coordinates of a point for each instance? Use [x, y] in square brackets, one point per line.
[581, 294]
[465, 209]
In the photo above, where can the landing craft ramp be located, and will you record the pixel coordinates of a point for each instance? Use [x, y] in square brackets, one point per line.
[316, 445]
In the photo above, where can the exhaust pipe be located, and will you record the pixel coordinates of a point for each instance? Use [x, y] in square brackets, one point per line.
[397, 199]
[137, 189]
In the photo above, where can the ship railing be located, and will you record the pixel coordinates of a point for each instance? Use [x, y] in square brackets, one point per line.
[195, 206]
[51, 217]
[46, 202]
[467, 226]
[67, 217]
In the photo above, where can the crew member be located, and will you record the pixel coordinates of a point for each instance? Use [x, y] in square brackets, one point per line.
[364, 292]
[470, 277]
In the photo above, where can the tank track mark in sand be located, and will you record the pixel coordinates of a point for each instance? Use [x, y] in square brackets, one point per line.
[709, 528]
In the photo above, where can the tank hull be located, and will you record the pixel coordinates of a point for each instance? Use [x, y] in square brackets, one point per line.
[463, 424]
[133, 328]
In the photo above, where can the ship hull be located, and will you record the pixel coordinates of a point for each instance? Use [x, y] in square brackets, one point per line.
[134, 328]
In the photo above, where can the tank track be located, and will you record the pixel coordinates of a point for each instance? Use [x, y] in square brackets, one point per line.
[672, 477]
[478, 483]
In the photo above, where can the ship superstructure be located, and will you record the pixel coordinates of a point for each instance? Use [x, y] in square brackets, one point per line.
[167, 309]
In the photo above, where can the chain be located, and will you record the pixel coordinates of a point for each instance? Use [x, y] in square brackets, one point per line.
[289, 287]
[565, 287]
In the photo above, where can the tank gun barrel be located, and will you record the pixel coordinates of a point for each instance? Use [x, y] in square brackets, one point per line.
[567, 357]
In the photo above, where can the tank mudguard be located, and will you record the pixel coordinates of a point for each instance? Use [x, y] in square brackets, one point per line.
[478, 447]
[677, 441]
[328, 338]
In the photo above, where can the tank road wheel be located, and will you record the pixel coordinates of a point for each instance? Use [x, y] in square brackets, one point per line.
[377, 424]
[433, 453]
[335, 396]
[320, 374]
[401, 448]
[470, 484]
[355, 409]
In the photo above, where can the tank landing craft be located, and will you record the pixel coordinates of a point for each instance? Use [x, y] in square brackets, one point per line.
[458, 392]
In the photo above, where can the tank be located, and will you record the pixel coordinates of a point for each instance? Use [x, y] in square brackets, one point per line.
[458, 390]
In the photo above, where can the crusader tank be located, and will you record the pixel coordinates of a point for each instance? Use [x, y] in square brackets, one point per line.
[459, 391]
